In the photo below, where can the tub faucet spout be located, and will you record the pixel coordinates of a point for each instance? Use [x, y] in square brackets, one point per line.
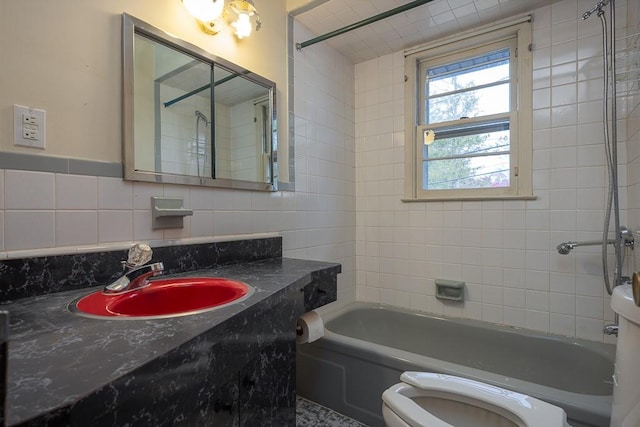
[611, 330]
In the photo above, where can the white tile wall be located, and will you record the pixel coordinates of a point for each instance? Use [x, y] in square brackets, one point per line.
[76, 228]
[179, 131]
[504, 251]
[29, 190]
[28, 229]
[632, 131]
[75, 192]
[319, 220]
[114, 194]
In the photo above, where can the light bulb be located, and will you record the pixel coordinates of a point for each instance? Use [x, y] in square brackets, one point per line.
[242, 25]
[204, 10]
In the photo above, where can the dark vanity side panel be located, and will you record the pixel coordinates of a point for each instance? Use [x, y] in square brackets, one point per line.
[4, 362]
[323, 288]
[29, 277]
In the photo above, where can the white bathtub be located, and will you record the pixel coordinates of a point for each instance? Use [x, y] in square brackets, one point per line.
[367, 346]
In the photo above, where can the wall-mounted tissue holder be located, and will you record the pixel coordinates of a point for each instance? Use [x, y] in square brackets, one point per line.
[452, 290]
[168, 212]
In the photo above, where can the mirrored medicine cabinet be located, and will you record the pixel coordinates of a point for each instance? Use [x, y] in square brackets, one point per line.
[193, 118]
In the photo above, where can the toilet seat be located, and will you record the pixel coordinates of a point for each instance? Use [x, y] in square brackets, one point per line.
[520, 409]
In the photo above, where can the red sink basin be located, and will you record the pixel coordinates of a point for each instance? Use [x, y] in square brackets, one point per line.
[165, 298]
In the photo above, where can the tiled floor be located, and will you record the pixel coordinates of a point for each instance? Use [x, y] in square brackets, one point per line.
[310, 414]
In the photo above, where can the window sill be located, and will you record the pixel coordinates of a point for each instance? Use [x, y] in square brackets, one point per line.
[463, 199]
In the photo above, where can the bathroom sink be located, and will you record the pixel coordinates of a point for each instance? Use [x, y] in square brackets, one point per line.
[165, 297]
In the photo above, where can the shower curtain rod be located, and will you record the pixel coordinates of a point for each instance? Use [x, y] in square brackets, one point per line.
[200, 89]
[371, 20]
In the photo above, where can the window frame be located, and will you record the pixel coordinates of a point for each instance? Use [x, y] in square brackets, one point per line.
[517, 35]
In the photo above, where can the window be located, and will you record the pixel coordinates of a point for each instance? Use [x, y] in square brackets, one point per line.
[469, 117]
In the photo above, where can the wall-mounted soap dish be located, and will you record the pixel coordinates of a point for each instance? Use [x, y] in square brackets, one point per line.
[168, 212]
[452, 290]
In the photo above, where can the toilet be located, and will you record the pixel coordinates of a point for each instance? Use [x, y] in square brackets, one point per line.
[625, 411]
[426, 399]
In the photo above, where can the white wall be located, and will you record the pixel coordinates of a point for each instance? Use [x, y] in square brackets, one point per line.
[65, 57]
[503, 250]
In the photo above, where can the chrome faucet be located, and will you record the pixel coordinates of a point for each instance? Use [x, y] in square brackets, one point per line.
[136, 274]
[611, 330]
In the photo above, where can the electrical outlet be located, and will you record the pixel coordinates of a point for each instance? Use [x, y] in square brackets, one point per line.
[29, 127]
[30, 119]
[30, 134]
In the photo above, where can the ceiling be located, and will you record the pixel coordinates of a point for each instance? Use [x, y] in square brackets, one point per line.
[421, 24]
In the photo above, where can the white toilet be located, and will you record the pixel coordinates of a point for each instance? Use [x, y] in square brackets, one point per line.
[625, 411]
[425, 399]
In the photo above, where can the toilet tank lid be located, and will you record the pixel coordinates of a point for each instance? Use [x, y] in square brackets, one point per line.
[622, 303]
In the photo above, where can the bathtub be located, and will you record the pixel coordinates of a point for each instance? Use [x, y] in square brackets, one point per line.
[367, 346]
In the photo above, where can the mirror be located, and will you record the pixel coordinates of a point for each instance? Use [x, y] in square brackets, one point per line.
[193, 118]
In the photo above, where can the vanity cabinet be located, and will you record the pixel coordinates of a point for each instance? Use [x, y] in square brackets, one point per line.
[229, 367]
[266, 386]
[262, 392]
[260, 395]
[225, 407]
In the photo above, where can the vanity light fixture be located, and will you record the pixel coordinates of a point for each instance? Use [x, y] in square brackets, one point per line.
[206, 12]
[242, 11]
[237, 12]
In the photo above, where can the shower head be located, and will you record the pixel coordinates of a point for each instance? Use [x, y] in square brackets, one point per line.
[597, 8]
[200, 115]
[565, 248]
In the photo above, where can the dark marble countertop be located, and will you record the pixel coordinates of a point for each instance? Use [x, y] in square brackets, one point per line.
[56, 357]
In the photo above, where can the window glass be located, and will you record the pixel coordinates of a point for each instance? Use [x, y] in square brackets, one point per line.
[471, 71]
[471, 117]
[466, 161]
[469, 87]
[474, 103]
[470, 154]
